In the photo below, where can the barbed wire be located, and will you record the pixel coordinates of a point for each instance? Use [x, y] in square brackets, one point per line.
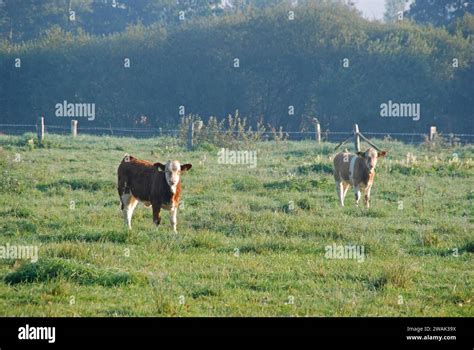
[19, 129]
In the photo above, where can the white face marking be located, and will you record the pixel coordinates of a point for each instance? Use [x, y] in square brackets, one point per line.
[172, 174]
[371, 159]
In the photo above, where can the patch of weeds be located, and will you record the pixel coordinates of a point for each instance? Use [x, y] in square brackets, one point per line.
[204, 292]
[300, 185]
[45, 270]
[78, 184]
[304, 204]
[245, 184]
[315, 168]
[111, 236]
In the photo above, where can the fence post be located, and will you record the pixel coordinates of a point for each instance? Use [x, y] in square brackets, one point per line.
[40, 129]
[74, 128]
[432, 133]
[356, 138]
[190, 134]
[318, 132]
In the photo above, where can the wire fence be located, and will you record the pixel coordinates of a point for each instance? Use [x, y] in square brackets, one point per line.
[328, 136]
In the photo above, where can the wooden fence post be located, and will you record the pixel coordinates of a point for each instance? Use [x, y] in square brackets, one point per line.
[432, 133]
[40, 129]
[356, 138]
[318, 132]
[190, 135]
[74, 128]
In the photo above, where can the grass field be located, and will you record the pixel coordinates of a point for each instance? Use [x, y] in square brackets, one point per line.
[250, 242]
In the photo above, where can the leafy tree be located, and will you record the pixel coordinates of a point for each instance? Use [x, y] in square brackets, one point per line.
[282, 63]
[392, 9]
[439, 12]
[26, 19]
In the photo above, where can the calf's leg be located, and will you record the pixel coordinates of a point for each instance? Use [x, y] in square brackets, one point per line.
[156, 213]
[173, 219]
[129, 203]
[367, 197]
[357, 194]
[345, 187]
[340, 192]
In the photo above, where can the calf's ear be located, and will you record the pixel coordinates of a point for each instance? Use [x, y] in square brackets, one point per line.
[160, 166]
[185, 167]
[381, 154]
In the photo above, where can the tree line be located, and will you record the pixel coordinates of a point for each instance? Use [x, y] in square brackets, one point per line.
[281, 65]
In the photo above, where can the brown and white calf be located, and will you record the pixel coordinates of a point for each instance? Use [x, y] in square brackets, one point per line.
[157, 184]
[357, 170]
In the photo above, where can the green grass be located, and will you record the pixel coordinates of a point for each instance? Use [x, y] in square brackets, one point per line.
[251, 242]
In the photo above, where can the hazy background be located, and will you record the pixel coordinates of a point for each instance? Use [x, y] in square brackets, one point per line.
[149, 63]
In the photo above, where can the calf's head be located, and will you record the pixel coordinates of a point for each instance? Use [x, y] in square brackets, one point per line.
[173, 170]
[370, 157]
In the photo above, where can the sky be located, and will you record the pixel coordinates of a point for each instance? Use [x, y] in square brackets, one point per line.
[374, 9]
[371, 9]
